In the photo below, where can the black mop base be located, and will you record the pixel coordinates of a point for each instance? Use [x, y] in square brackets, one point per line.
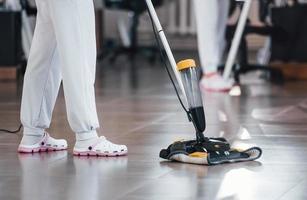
[212, 151]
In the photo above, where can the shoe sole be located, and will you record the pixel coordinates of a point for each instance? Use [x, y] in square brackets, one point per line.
[98, 154]
[39, 150]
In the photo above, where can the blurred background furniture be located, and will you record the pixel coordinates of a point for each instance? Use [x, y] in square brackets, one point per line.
[10, 40]
[290, 54]
[129, 38]
[242, 65]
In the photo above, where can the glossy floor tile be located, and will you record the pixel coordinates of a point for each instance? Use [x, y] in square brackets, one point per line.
[137, 106]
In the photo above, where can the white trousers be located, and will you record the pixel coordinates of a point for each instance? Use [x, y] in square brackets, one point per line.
[211, 20]
[63, 49]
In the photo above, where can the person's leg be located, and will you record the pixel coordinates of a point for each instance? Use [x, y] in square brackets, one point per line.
[211, 19]
[75, 36]
[41, 83]
[74, 25]
[223, 10]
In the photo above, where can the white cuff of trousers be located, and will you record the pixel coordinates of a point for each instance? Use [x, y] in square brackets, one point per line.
[86, 135]
[209, 70]
[33, 131]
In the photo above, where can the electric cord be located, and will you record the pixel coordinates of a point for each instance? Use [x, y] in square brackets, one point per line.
[11, 131]
[162, 55]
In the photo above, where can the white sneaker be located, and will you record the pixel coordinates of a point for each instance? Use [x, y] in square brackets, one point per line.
[47, 143]
[215, 83]
[102, 147]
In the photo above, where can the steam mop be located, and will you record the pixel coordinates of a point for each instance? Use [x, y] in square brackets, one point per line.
[202, 150]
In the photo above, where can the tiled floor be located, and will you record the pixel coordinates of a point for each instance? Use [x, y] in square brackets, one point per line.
[139, 108]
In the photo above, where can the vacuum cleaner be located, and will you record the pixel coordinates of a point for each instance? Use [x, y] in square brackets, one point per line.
[202, 150]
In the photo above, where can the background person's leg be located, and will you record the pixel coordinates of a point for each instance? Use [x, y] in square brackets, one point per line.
[74, 25]
[211, 19]
[207, 19]
[223, 10]
[42, 79]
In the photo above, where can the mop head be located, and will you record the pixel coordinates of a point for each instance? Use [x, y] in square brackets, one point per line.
[211, 152]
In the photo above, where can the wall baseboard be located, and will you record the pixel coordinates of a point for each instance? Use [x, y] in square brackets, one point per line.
[8, 73]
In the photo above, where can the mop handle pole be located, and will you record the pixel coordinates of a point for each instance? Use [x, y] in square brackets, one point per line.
[237, 39]
[166, 45]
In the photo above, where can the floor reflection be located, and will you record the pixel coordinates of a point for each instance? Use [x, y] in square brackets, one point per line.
[38, 172]
[237, 184]
[93, 175]
[218, 182]
[69, 177]
[284, 114]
